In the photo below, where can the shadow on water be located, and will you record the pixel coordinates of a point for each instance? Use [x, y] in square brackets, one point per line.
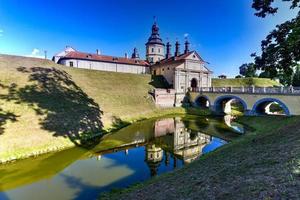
[64, 108]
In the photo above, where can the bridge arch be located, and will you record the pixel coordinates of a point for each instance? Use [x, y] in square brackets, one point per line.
[221, 101]
[202, 101]
[262, 105]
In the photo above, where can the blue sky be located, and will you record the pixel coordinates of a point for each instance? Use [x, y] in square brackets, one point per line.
[224, 32]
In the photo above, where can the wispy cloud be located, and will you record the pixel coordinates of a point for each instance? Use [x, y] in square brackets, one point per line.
[36, 53]
[185, 35]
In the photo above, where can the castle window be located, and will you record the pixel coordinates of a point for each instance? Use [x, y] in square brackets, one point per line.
[152, 50]
[71, 64]
[163, 69]
[158, 50]
[168, 68]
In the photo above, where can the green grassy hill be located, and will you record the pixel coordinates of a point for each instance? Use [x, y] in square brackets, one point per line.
[45, 106]
[237, 82]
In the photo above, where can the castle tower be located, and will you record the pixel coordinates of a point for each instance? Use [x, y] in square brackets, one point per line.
[155, 47]
[153, 158]
[168, 55]
[135, 54]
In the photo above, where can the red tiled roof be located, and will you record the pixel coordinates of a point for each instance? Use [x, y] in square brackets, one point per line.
[104, 58]
[179, 58]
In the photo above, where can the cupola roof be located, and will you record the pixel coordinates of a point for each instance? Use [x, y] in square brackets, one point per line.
[155, 38]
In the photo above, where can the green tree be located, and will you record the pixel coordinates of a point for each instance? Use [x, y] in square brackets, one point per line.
[248, 70]
[280, 50]
[296, 78]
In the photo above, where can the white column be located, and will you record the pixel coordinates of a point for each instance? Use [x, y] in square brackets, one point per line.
[176, 84]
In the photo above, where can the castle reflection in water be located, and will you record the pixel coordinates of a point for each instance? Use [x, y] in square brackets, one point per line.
[173, 141]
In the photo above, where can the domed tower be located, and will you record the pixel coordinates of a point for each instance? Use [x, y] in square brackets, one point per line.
[155, 47]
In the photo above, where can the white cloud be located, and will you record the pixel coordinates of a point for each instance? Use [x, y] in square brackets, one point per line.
[36, 53]
[186, 35]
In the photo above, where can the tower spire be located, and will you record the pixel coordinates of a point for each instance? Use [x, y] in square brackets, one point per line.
[168, 54]
[177, 48]
[154, 19]
[155, 45]
[187, 45]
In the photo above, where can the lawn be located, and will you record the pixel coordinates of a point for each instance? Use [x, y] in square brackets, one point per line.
[264, 164]
[246, 82]
[46, 107]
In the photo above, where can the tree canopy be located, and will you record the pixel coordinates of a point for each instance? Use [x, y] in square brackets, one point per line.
[248, 70]
[280, 50]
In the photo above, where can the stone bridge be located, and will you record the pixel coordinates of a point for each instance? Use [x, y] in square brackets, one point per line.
[254, 100]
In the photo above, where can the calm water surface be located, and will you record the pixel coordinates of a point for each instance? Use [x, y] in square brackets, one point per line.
[130, 155]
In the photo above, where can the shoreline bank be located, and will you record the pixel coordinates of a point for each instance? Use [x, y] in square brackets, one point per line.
[123, 123]
[266, 160]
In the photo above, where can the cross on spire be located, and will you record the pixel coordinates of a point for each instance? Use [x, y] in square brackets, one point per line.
[154, 19]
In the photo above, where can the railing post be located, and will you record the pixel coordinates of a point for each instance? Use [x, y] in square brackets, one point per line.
[281, 89]
[253, 88]
[264, 89]
[230, 89]
[292, 89]
[212, 88]
[243, 89]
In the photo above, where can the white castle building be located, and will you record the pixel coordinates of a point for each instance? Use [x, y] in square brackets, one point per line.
[183, 71]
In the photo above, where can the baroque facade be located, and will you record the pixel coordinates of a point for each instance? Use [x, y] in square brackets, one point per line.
[183, 71]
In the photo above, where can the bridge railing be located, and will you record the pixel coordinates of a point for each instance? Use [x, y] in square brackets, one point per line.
[251, 89]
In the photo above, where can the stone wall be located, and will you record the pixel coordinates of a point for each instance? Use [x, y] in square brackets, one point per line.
[164, 97]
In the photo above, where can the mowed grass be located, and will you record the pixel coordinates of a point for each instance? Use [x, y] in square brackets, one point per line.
[263, 164]
[246, 82]
[44, 106]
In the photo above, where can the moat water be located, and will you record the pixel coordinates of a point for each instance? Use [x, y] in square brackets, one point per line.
[131, 155]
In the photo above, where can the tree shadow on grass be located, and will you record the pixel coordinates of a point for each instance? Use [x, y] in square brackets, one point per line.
[64, 108]
[6, 116]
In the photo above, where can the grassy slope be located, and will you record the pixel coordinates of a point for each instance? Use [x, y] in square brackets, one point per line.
[264, 164]
[60, 103]
[54, 105]
[259, 82]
